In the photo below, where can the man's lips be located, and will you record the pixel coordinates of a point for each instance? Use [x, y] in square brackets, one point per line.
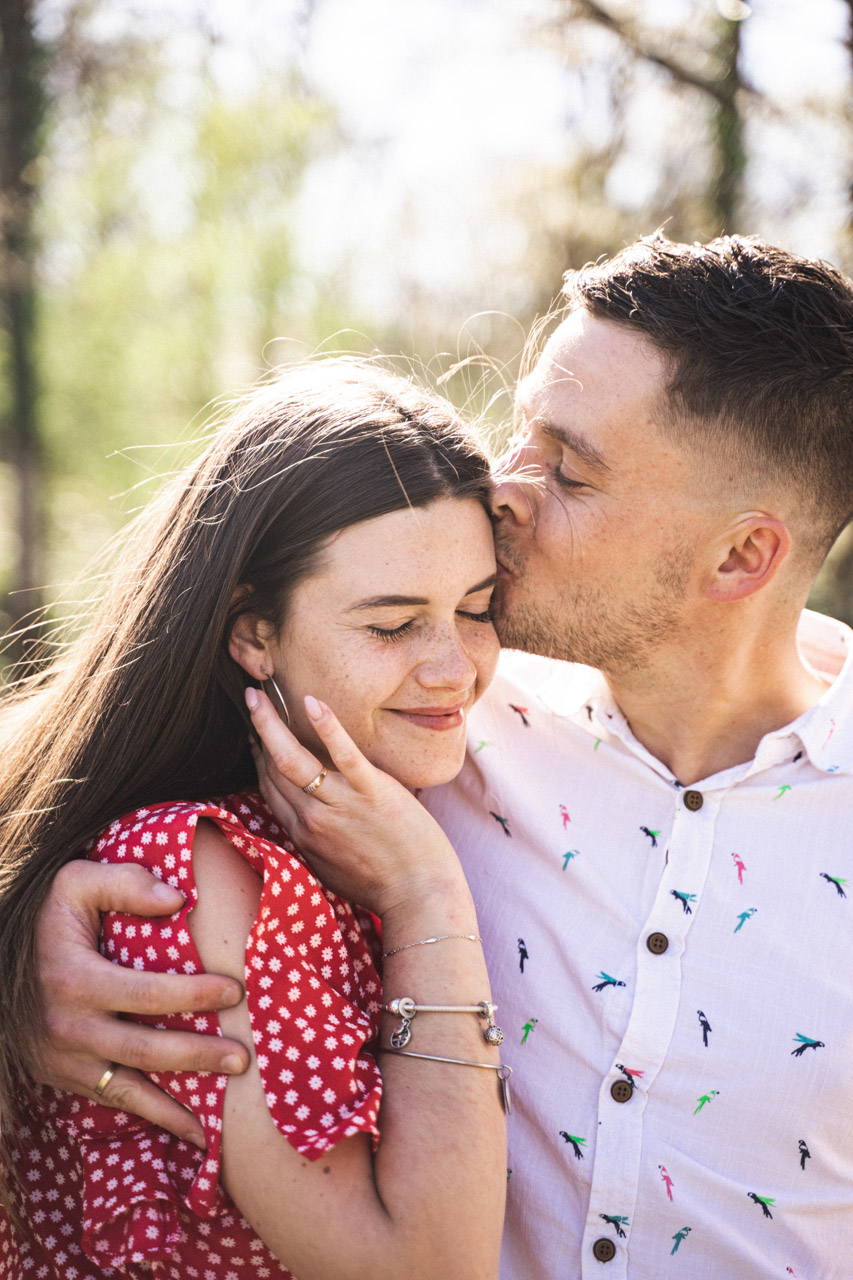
[433, 717]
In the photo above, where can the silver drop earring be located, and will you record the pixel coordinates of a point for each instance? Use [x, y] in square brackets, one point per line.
[268, 676]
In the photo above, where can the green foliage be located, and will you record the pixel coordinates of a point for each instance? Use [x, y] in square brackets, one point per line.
[167, 268]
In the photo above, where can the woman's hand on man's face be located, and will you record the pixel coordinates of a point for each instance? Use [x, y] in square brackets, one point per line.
[365, 836]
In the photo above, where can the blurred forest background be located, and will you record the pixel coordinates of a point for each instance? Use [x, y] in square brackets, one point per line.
[192, 193]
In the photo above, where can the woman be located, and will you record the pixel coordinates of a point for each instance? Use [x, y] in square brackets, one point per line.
[332, 545]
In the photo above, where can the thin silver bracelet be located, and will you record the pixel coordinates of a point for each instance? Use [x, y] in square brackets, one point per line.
[404, 1008]
[425, 942]
[504, 1072]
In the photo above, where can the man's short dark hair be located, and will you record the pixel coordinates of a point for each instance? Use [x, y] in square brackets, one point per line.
[760, 348]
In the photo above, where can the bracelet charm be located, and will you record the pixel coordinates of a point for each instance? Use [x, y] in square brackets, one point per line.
[404, 1008]
[401, 1035]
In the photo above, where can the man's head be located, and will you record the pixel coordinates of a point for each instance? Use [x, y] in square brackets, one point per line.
[699, 402]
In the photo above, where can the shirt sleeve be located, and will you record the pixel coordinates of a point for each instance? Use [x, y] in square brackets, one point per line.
[313, 995]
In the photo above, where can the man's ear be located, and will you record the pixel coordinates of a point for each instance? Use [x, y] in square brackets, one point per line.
[747, 557]
[247, 642]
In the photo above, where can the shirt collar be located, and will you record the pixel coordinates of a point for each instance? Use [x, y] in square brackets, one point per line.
[824, 732]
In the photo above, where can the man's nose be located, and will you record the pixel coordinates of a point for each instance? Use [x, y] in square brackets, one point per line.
[512, 494]
[511, 499]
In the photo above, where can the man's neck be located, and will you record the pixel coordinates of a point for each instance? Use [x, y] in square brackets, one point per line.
[706, 703]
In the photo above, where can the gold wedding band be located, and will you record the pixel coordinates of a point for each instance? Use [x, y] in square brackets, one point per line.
[105, 1079]
[312, 786]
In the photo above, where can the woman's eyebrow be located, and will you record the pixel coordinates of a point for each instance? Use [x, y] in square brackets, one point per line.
[379, 602]
[481, 586]
[383, 602]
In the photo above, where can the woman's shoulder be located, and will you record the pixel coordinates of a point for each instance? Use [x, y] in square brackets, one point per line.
[161, 834]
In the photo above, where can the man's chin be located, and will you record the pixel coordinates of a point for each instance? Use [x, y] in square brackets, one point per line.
[517, 629]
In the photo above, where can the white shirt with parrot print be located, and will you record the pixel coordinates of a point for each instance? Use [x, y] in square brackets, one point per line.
[680, 1107]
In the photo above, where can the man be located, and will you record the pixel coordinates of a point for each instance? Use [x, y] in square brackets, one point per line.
[686, 459]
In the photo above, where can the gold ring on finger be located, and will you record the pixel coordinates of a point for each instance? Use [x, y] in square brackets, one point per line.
[315, 783]
[105, 1079]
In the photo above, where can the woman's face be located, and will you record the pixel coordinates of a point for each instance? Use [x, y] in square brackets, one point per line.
[394, 634]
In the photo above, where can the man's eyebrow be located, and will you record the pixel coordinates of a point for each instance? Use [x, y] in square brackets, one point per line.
[384, 602]
[588, 454]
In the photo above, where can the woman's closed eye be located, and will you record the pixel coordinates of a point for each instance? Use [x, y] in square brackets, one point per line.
[391, 633]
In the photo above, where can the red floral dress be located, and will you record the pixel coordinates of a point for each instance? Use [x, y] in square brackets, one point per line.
[111, 1195]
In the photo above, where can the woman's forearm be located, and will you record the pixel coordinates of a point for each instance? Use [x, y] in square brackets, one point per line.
[429, 1202]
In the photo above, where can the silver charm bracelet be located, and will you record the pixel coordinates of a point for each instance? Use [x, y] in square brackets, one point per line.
[404, 1008]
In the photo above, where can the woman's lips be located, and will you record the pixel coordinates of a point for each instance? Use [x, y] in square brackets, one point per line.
[432, 717]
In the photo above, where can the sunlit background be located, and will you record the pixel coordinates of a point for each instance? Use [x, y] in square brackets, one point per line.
[192, 193]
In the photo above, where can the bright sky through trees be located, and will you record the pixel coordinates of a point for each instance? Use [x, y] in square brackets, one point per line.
[224, 184]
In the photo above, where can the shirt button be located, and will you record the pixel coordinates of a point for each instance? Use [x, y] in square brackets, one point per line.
[693, 800]
[620, 1091]
[604, 1250]
[657, 943]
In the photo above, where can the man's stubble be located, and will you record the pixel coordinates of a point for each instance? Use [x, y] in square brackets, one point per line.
[584, 624]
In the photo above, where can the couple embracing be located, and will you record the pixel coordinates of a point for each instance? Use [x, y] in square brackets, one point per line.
[641, 862]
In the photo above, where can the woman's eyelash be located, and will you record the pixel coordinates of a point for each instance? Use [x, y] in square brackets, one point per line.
[394, 633]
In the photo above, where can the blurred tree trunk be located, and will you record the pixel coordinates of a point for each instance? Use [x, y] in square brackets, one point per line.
[22, 111]
[728, 128]
[725, 86]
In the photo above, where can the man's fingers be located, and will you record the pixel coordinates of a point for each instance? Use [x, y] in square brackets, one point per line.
[129, 1090]
[111, 987]
[83, 887]
[149, 1049]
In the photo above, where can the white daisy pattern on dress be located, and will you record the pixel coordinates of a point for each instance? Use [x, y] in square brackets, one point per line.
[108, 1194]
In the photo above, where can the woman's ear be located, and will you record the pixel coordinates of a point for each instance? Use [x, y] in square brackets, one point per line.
[247, 642]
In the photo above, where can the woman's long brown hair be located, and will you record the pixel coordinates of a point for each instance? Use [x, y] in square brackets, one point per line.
[148, 705]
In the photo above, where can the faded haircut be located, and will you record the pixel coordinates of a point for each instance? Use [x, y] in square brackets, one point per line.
[759, 345]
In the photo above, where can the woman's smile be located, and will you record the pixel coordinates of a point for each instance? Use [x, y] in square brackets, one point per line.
[394, 633]
[438, 719]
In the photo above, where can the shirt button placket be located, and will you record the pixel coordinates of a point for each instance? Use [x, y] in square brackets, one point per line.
[655, 1007]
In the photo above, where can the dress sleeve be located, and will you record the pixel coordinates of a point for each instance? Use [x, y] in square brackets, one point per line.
[314, 1000]
[313, 996]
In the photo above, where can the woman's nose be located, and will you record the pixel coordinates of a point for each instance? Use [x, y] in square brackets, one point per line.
[448, 665]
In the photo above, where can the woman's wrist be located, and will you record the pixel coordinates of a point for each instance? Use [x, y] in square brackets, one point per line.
[420, 908]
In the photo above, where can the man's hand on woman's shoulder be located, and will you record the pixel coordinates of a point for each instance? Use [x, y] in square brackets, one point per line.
[83, 995]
